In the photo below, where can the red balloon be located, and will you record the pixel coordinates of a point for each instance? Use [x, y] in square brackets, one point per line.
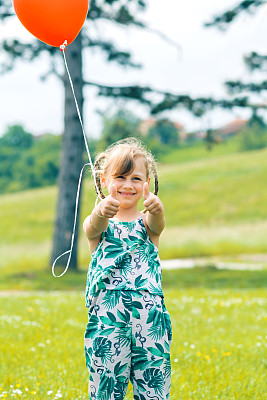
[52, 21]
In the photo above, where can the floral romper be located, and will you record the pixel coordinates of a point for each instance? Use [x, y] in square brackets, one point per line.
[129, 332]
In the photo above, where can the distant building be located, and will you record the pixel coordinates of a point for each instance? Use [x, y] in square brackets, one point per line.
[146, 124]
[231, 129]
[182, 133]
[220, 134]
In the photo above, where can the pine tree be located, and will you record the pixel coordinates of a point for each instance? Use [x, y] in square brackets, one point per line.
[117, 12]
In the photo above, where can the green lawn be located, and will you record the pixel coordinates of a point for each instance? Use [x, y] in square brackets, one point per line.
[218, 349]
[219, 191]
[215, 205]
[198, 150]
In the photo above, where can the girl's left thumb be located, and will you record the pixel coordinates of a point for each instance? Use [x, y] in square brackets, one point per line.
[145, 190]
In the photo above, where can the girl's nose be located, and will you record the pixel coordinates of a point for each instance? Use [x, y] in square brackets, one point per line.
[127, 183]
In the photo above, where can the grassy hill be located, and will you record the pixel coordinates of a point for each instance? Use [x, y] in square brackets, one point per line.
[214, 206]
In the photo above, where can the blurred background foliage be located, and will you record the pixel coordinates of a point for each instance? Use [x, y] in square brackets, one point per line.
[28, 161]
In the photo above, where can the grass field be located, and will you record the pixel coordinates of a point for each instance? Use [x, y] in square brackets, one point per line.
[218, 349]
[198, 151]
[215, 205]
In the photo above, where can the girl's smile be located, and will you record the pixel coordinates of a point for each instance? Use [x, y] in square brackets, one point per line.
[126, 194]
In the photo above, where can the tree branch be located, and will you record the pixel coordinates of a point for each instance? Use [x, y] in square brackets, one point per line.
[25, 51]
[165, 38]
[6, 9]
[236, 87]
[123, 16]
[201, 105]
[123, 58]
[222, 21]
[134, 92]
[198, 106]
[255, 61]
[118, 13]
[52, 71]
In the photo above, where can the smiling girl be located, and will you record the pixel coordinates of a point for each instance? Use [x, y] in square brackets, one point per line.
[129, 333]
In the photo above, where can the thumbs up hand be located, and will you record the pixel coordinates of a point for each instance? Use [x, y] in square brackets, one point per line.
[151, 202]
[109, 206]
[113, 192]
[146, 192]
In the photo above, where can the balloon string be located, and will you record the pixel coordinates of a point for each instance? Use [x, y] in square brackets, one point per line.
[62, 48]
[73, 232]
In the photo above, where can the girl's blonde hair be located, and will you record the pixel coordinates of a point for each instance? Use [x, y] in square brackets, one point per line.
[118, 159]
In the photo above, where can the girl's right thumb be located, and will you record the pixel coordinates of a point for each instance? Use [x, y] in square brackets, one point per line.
[146, 191]
[113, 192]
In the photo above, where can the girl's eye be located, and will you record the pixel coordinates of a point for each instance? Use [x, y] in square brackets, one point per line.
[120, 177]
[137, 179]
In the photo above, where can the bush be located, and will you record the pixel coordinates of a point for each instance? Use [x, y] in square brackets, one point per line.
[27, 161]
[253, 138]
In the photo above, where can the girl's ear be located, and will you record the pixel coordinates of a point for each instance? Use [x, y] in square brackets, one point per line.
[103, 180]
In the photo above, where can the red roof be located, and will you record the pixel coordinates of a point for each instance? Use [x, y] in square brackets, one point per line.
[232, 127]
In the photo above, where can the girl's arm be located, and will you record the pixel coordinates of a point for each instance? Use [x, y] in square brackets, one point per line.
[97, 222]
[94, 234]
[155, 218]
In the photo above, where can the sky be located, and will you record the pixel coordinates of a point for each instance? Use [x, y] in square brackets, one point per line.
[205, 59]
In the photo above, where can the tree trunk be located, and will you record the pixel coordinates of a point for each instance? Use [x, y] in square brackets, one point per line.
[71, 160]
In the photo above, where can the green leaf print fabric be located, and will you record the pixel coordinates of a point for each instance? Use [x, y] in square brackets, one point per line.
[125, 258]
[128, 337]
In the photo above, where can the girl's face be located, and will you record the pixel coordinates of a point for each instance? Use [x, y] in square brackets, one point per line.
[129, 187]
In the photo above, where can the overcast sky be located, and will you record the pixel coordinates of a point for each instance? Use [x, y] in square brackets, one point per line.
[207, 58]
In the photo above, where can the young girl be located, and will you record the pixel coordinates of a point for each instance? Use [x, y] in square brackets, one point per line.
[129, 332]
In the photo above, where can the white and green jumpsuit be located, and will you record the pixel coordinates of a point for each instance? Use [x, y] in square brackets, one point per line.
[129, 332]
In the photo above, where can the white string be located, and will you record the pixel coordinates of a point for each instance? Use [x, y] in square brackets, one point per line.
[73, 232]
[62, 47]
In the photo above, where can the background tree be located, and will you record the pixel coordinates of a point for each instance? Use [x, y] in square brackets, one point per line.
[16, 137]
[254, 61]
[211, 138]
[120, 125]
[165, 131]
[254, 135]
[118, 12]
[27, 161]
[240, 92]
[223, 20]
[15, 141]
